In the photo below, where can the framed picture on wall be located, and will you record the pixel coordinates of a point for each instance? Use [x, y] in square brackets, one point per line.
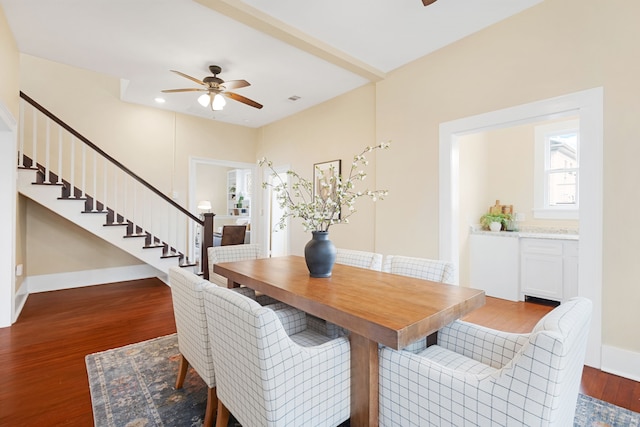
[323, 185]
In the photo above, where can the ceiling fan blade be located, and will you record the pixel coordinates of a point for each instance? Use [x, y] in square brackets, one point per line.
[235, 84]
[200, 82]
[193, 89]
[428, 2]
[242, 99]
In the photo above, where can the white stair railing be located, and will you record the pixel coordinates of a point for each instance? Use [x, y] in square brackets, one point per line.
[106, 184]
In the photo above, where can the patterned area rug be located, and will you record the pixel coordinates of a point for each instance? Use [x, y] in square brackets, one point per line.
[133, 386]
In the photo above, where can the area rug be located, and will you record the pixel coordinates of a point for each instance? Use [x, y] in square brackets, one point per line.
[134, 386]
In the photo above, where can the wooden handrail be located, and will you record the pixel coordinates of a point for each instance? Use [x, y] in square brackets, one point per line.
[108, 157]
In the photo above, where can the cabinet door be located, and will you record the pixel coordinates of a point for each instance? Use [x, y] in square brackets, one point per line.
[570, 270]
[541, 275]
[494, 265]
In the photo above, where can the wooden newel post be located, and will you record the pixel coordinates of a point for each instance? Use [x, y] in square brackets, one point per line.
[207, 242]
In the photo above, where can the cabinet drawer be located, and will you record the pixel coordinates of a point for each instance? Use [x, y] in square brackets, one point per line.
[541, 246]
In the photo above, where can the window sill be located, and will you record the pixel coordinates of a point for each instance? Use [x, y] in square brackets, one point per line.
[556, 214]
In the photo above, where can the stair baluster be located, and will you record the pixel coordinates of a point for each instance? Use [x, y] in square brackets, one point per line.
[124, 197]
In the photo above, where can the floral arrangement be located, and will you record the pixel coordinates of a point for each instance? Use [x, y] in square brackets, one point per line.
[333, 203]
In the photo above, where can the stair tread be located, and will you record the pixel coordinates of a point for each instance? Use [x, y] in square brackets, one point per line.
[69, 191]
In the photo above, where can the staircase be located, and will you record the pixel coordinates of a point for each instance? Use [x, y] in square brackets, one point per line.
[69, 175]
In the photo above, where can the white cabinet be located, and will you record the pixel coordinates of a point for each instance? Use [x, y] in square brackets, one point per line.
[494, 265]
[548, 268]
[570, 266]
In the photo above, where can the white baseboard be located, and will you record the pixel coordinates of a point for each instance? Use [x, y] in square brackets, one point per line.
[78, 279]
[20, 300]
[621, 362]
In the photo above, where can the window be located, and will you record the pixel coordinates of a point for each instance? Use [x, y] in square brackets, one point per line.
[557, 170]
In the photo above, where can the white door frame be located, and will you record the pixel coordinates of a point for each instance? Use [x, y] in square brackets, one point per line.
[268, 208]
[256, 227]
[588, 105]
[8, 193]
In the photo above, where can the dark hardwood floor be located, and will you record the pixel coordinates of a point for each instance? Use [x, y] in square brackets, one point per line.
[42, 355]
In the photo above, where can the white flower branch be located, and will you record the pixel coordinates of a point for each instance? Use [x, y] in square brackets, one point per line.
[336, 198]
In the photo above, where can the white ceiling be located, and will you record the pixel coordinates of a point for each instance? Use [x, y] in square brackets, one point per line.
[314, 50]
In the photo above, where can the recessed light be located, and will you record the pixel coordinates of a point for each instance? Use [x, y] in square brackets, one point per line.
[160, 100]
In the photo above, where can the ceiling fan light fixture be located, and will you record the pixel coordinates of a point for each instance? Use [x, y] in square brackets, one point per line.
[218, 102]
[216, 90]
[204, 100]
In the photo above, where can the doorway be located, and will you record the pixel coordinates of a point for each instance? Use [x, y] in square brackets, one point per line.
[588, 106]
[277, 237]
[232, 193]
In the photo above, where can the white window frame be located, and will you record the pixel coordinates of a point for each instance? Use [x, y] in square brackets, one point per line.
[541, 207]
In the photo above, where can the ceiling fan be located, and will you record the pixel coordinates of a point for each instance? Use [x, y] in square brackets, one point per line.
[216, 90]
[428, 2]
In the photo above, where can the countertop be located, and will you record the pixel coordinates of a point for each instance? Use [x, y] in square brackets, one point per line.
[556, 234]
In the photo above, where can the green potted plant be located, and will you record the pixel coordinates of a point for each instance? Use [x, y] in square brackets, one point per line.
[488, 219]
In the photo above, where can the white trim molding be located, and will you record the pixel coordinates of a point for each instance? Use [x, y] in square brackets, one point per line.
[588, 105]
[621, 362]
[78, 279]
[8, 151]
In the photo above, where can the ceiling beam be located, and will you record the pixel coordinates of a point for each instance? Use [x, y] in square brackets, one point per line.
[267, 24]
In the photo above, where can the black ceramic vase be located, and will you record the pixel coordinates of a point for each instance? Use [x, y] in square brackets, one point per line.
[320, 254]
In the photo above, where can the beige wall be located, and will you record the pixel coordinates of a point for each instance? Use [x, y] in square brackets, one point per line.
[10, 69]
[475, 191]
[212, 186]
[511, 63]
[509, 162]
[49, 236]
[337, 129]
[514, 62]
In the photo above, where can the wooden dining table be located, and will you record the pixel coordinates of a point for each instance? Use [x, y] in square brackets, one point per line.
[376, 307]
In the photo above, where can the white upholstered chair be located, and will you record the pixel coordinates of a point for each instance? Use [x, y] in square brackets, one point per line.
[477, 376]
[193, 338]
[268, 378]
[421, 268]
[362, 259]
[218, 254]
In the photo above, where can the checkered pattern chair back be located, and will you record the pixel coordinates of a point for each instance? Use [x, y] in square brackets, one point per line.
[191, 321]
[265, 377]
[421, 268]
[218, 254]
[362, 259]
[478, 376]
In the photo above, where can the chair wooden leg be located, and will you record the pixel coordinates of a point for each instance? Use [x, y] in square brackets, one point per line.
[182, 371]
[212, 404]
[223, 414]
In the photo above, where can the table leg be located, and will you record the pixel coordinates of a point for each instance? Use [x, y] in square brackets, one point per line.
[364, 381]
